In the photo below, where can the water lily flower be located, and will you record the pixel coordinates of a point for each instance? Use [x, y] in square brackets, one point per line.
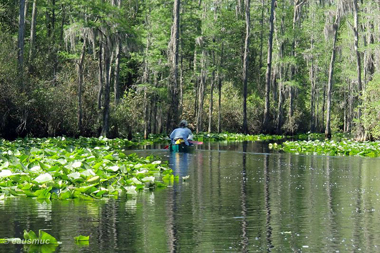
[114, 168]
[77, 164]
[43, 178]
[131, 189]
[5, 173]
[148, 179]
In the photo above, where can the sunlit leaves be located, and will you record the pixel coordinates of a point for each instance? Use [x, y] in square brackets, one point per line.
[82, 168]
[236, 137]
[344, 147]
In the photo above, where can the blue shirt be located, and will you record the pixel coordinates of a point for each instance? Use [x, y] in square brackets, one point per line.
[180, 133]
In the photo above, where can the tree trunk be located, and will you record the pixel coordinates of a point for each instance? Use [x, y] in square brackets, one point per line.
[317, 111]
[219, 103]
[291, 110]
[279, 107]
[110, 68]
[350, 111]
[116, 85]
[118, 49]
[195, 80]
[245, 64]
[210, 109]
[181, 82]
[201, 95]
[292, 90]
[345, 110]
[20, 42]
[145, 82]
[201, 91]
[323, 107]
[63, 11]
[360, 129]
[53, 19]
[155, 101]
[181, 76]
[32, 31]
[107, 66]
[269, 69]
[261, 41]
[100, 77]
[312, 97]
[220, 90]
[331, 76]
[173, 80]
[26, 6]
[80, 85]
[146, 114]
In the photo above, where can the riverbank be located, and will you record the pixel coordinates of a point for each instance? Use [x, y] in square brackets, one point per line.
[330, 147]
[309, 143]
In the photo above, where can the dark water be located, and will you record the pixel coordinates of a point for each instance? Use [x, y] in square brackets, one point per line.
[238, 198]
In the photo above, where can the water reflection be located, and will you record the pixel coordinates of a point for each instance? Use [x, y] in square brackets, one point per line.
[179, 163]
[267, 203]
[243, 194]
[235, 200]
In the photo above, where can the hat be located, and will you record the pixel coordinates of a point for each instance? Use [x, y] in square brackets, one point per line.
[183, 123]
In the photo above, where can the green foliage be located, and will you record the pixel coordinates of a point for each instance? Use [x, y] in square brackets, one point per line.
[82, 240]
[43, 242]
[43, 100]
[235, 137]
[128, 114]
[84, 168]
[371, 107]
[330, 147]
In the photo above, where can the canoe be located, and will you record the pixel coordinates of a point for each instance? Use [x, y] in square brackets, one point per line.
[180, 148]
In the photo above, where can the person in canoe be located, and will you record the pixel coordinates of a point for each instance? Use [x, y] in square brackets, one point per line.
[182, 134]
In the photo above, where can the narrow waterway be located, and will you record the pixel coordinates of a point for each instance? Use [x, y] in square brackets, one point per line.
[239, 197]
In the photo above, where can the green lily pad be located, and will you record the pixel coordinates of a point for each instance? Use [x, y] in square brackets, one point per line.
[82, 238]
[64, 168]
[74, 175]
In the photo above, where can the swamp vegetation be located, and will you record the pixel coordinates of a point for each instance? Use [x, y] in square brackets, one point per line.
[84, 168]
[115, 68]
[300, 76]
[330, 147]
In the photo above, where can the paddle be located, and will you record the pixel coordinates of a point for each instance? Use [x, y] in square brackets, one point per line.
[196, 142]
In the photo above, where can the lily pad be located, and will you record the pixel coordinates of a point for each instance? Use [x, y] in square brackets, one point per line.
[84, 168]
[82, 238]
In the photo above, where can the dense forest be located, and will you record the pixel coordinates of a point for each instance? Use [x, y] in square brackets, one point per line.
[117, 67]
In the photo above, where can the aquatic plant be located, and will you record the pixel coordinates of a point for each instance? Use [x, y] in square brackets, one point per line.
[43, 242]
[330, 147]
[42, 238]
[235, 137]
[30, 238]
[84, 168]
[321, 136]
[82, 240]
